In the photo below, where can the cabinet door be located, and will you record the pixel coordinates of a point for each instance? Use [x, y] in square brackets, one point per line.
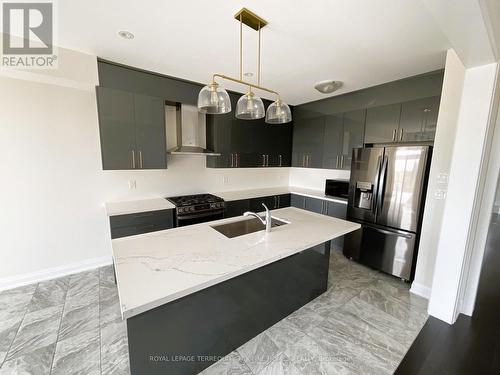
[382, 123]
[419, 120]
[283, 200]
[353, 135]
[332, 149]
[150, 132]
[314, 205]
[117, 128]
[298, 201]
[308, 137]
[270, 201]
[237, 208]
[339, 211]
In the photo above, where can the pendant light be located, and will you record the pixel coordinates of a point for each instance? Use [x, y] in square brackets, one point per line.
[214, 100]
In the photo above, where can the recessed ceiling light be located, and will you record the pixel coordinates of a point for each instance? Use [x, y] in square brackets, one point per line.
[248, 74]
[328, 86]
[126, 34]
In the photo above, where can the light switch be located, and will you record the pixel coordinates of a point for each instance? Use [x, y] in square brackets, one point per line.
[442, 178]
[132, 184]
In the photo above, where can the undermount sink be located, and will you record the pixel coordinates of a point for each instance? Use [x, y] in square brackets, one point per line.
[242, 227]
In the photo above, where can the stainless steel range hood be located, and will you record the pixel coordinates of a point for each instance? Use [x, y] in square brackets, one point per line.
[188, 127]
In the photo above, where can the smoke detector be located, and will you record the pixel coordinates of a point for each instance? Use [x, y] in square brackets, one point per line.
[328, 86]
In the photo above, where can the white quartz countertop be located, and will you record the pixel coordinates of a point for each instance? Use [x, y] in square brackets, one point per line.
[131, 207]
[156, 268]
[255, 193]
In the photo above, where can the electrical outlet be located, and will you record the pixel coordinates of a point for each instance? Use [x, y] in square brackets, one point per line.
[225, 179]
[442, 178]
[440, 194]
[132, 184]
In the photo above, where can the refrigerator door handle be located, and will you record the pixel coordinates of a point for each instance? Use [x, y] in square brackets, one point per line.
[397, 234]
[377, 184]
[381, 184]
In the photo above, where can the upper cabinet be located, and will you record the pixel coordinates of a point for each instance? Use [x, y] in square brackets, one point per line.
[412, 121]
[327, 141]
[382, 123]
[247, 143]
[419, 119]
[308, 136]
[132, 129]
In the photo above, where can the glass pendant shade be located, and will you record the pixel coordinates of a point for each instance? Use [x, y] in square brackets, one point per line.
[213, 100]
[250, 107]
[278, 113]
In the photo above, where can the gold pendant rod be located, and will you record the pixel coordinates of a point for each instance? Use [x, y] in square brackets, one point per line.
[258, 61]
[241, 47]
[244, 83]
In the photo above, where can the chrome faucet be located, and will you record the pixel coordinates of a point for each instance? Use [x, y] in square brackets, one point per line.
[267, 221]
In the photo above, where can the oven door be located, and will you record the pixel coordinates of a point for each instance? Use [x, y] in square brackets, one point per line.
[198, 217]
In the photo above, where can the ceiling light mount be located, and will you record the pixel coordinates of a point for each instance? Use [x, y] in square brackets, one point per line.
[215, 100]
[126, 34]
[328, 86]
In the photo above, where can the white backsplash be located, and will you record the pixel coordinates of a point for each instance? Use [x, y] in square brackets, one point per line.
[311, 178]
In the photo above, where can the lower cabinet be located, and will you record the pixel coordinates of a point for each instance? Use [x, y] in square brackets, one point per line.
[238, 207]
[324, 207]
[143, 222]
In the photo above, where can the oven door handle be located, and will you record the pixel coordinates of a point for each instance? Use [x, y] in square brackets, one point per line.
[197, 215]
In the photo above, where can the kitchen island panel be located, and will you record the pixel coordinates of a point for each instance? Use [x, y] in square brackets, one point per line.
[191, 333]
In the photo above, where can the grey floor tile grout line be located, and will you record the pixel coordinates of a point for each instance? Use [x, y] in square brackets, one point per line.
[59, 329]
[20, 323]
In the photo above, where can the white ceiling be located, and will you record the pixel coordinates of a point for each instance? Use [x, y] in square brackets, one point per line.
[360, 42]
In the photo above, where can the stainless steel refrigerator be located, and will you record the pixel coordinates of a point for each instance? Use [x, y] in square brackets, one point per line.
[386, 195]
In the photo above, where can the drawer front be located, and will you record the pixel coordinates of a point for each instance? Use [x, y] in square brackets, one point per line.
[142, 218]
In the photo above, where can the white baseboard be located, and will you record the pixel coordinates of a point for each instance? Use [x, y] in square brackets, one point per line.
[53, 273]
[420, 290]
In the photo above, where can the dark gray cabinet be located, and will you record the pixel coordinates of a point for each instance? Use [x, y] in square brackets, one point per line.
[353, 135]
[237, 208]
[324, 207]
[308, 140]
[419, 120]
[332, 143]
[382, 123]
[272, 202]
[132, 130]
[143, 222]
[247, 143]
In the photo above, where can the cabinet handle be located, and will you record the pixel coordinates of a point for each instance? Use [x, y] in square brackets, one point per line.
[342, 161]
[140, 159]
[279, 201]
[307, 160]
[267, 160]
[263, 160]
[401, 134]
[237, 159]
[393, 135]
[337, 162]
[133, 159]
[303, 160]
[275, 201]
[279, 160]
[232, 162]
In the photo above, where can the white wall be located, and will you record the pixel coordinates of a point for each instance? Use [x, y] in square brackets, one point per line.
[470, 138]
[311, 178]
[53, 187]
[451, 96]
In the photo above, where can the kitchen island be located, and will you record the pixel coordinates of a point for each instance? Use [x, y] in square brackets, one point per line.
[192, 295]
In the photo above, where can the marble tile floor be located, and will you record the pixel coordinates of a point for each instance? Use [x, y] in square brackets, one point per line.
[363, 324]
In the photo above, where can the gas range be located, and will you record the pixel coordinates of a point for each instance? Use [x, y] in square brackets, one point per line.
[198, 208]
